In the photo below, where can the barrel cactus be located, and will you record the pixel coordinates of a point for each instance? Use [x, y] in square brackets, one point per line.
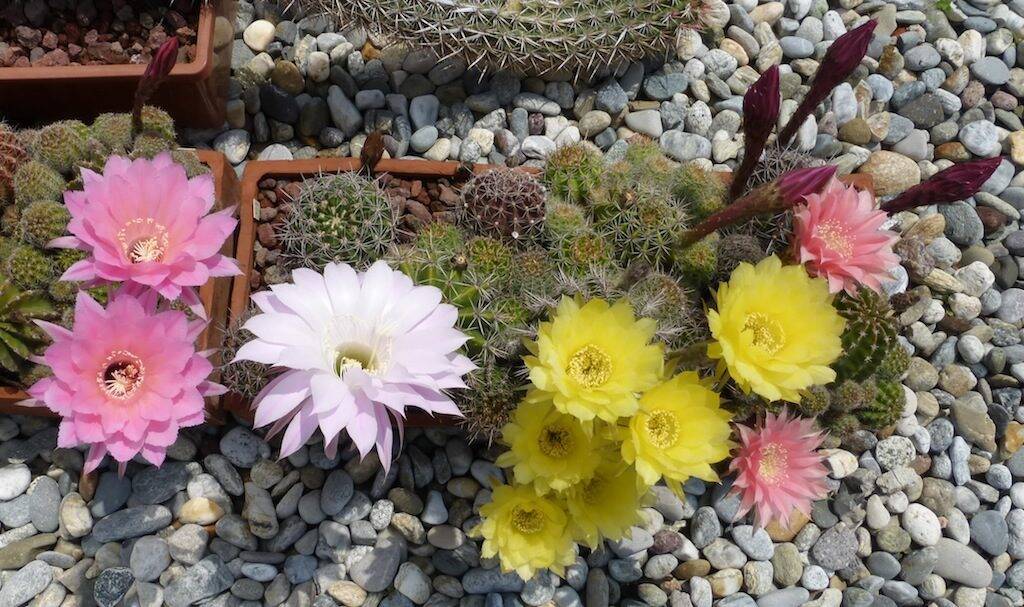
[505, 204]
[338, 218]
[12, 154]
[869, 335]
[528, 36]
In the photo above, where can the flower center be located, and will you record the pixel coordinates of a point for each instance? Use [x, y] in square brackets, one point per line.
[555, 441]
[774, 460]
[662, 429]
[143, 240]
[767, 333]
[356, 356]
[590, 366]
[527, 520]
[836, 236]
[122, 375]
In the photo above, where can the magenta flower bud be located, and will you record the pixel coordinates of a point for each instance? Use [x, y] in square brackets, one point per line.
[760, 112]
[788, 191]
[958, 182]
[838, 63]
[157, 71]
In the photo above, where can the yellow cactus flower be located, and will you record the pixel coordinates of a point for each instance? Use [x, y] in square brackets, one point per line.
[775, 330]
[679, 431]
[548, 448]
[526, 531]
[607, 505]
[594, 358]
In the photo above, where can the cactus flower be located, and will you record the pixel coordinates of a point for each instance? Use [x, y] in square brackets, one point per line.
[788, 191]
[838, 63]
[144, 223]
[760, 113]
[955, 183]
[125, 378]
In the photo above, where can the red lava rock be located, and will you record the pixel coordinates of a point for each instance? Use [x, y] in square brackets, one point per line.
[265, 234]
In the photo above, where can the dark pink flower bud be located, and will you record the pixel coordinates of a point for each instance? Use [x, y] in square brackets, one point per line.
[760, 112]
[839, 61]
[164, 59]
[958, 182]
[788, 191]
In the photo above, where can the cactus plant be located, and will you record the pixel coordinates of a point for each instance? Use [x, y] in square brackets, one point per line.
[490, 257]
[63, 144]
[42, 221]
[245, 378]
[734, 249]
[869, 335]
[12, 154]
[10, 220]
[36, 181]
[885, 408]
[642, 228]
[115, 132]
[533, 272]
[505, 204]
[529, 36]
[572, 171]
[488, 403]
[563, 220]
[583, 252]
[697, 264]
[29, 267]
[147, 145]
[19, 337]
[698, 191]
[677, 310]
[338, 218]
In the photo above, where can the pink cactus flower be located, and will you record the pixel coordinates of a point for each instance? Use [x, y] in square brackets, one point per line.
[144, 223]
[778, 469]
[358, 349]
[125, 378]
[838, 234]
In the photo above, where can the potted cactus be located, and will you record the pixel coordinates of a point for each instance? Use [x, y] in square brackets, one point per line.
[194, 92]
[39, 167]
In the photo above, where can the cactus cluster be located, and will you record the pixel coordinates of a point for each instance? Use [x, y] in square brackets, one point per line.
[870, 334]
[572, 172]
[528, 36]
[36, 168]
[505, 204]
[488, 403]
[343, 218]
[245, 378]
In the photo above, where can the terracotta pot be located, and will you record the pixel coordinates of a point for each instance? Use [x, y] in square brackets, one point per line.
[257, 171]
[194, 93]
[214, 294]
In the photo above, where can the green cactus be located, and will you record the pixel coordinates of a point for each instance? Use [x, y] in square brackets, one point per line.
[734, 249]
[19, 337]
[841, 426]
[29, 267]
[62, 145]
[533, 272]
[488, 403]
[644, 229]
[814, 401]
[490, 257]
[849, 396]
[190, 160]
[572, 171]
[505, 204]
[30, 374]
[44, 220]
[440, 242]
[10, 220]
[115, 131]
[338, 218]
[677, 310]
[245, 378]
[148, 145]
[527, 36]
[894, 364]
[886, 407]
[698, 191]
[697, 264]
[870, 334]
[36, 181]
[12, 154]
[63, 291]
[584, 252]
[564, 220]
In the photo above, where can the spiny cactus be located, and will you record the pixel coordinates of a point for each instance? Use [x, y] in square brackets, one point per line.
[439, 242]
[734, 249]
[20, 337]
[44, 220]
[36, 181]
[529, 36]
[338, 218]
[698, 191]
[642, 228]
[114, 131]
[12, 154]
[870, 333]
[506, 204]
[29, 267]
[583, 252]
[814, 401]
[488, 403]
[10, 220]
[147, 145]
[886, 408]
[676, 309]
[533, 271]
[894, 364]
[63, 144]
[489, 256]
[697, 264]
[245, 378]
[572, 171]
[564, 220]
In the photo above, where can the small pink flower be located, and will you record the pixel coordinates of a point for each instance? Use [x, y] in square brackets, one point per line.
[777, 468]
[125, 378]
[838, 235]
[145, 223]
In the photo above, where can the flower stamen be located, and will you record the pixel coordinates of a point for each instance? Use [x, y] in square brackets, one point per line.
[774, 463]
[555, 441]
[662, 429]
[143, 240]
[766, 333]
[836, 236]
[527, 521]
[590, 366]
[122, 374]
